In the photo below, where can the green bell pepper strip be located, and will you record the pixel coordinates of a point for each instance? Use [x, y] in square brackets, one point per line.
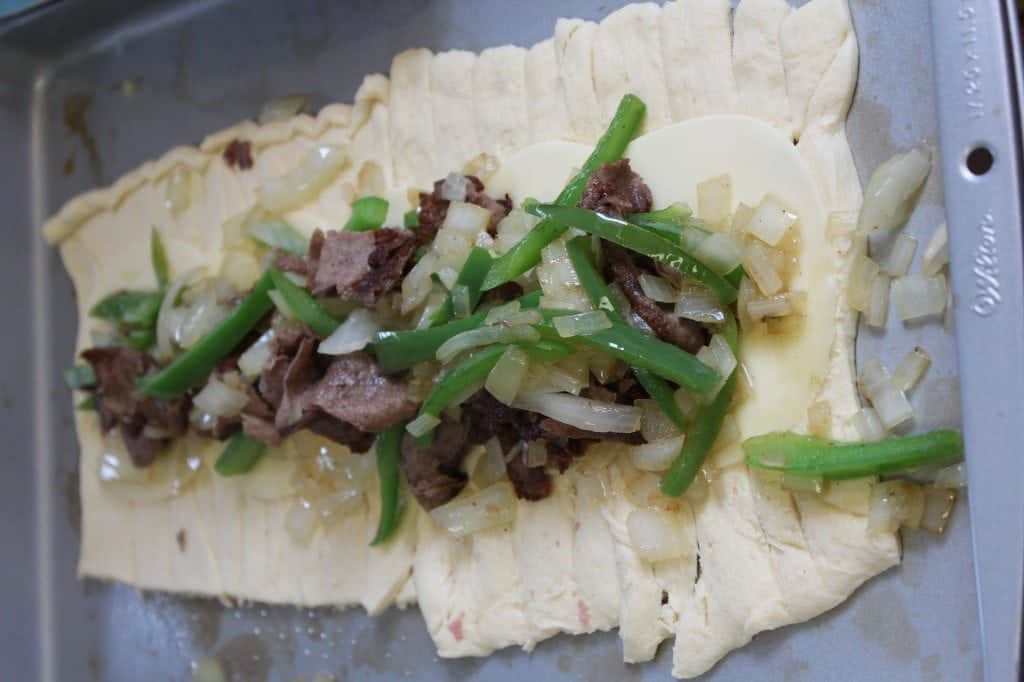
[158, 257]
[636, 239]
[303, 306]
[801, 455]
[547, 351]
[79, 376]
[240, 455]
[638, 349]
[401, 350]
[469, 372]
[191, 367]
[676, 225]
[141, 339]
[88, 403]
[368, 213]
[129, 308]
[582, 259]
[472, 277]
[705, 428]
[527, 251]
[389, 454]
[411, 218]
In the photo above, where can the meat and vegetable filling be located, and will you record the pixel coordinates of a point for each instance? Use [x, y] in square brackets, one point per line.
[486, 337]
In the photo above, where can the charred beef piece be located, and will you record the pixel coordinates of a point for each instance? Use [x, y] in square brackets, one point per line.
[355, 390]
[346, 399]
[434, 209]
[291, 262]
[615, 190]
[358, 266]
[622, 268]
[530, 483]
[435, 472]
[121, 405]
[238, 154]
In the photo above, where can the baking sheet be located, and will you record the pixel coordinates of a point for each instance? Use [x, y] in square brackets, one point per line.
[167, 74]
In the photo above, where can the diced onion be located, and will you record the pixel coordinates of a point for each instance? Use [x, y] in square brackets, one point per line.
[300, 521]
[718, 356]
[418, 284]
[878, 302]
[655, 424]
[434, 302]
[469, 513]
[918, 297]
[502, 312]
[283, 108]
[582, 324]
[954, 476]
[658, 535]
[938, 505]
[505, 380]
[423, 424]
[892, 406]
[583, 413]
[255, 357]
[512, 228]
[304, 182]
[853, 496]
[771, 221]
[720, 252]
[658, 289]
[747, 293]
[911, 368]
[448, 276]
[761, 264]
[779, 305]
[468, 219]
[559, 281]
[895, 503]
[657, 455]
[741, 218]
[819, 419]
[714, 201]
[169, 317]
[485, 336]
[178, 196]
[901, 255]
[698, 303]
[936, 252]
[552, 379]
[863, 272]
[889, 197]
[868, 425]
[219, 399]
[490, 464]
[208, 670]
[841, 224]
[455, 187]
[352, 335]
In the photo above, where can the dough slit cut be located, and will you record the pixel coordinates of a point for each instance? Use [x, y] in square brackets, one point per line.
[594, 566]
[757, 61]
[574, 41]
[696, 38]
[545, 103]
[499, 97]
[451, 104]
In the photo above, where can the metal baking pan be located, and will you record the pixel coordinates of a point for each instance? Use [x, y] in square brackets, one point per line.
[88, 90]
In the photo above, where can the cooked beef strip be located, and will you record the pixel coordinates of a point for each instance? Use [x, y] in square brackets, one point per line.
[356, 391]
[435, 473]
[530, 483]
[434, 209]
[616, 191]
[121, 404]
[300, 378]
[622, 268]
[358, 266]
[238, 154]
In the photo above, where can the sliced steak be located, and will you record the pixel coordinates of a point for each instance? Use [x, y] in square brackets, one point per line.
[355, 390]
[298, 388]
[434, 209]
[122, 405]
[341, 432]
[622, 268]
[530, 483]
[291, 262]
[359, 266]
[615, 190]
[435, 473]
